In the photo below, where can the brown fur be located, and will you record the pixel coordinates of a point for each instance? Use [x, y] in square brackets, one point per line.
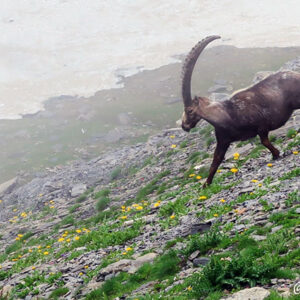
[257, 110]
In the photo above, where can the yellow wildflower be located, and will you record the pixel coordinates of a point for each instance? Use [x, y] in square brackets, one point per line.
[24, 214]
[222, 200]
[123, 217]
[156, 204]
[86, 267]
[173, 146]
[139, 207]
[128, 249]
[124, 253]
[14, 210]
[68, 240]
[259, 184]
[48, 247]
[46, 253]
[294, 152]
[234, 170]
[202, 198]
[52, 206]
[198, 177]
[20, 235]
[192, 175]
[76, 238]
[254, 180]
[219, 171]
[172, 217]
[236, 156]
[29, 250]
[33, 267]
[189, 288]
[78, 230]
[172, 136]
[216, 215]
[61, 239]
[269, 165]
[80, 274]
[17, 238]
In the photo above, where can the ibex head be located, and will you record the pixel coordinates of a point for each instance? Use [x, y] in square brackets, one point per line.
[191, 115]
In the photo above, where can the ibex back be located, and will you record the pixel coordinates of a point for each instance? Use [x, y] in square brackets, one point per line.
[256, 110]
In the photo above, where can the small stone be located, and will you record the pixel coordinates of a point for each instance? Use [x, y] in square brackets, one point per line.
[194, 255]
[274, 229]
[258, 237]
[78, 189]
[201, 261]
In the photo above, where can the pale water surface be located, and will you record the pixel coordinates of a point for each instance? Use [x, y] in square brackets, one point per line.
[77, 47]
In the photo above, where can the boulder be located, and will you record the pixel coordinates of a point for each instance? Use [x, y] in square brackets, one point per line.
[255, 293]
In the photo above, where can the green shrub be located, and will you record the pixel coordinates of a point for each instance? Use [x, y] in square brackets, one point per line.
[73, 208]
[166, 265]
[102, 203]
[291, 133]
[58, 293]
[205, 242]
[116, 173]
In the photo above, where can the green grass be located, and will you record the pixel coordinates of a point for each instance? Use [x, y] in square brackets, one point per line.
[150, 187]
[116, 173]
[163, 267]
[291, 174]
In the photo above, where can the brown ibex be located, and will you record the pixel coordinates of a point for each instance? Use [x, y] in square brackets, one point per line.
[256, 110]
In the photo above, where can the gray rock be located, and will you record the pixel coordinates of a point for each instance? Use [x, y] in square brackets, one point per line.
[136, 264]
[201, 261]
[255, 293]
[194, 255]
[274, 229]
[78, 189]
[258, 237]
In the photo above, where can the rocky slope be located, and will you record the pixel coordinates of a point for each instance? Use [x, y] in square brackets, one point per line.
[137, 224]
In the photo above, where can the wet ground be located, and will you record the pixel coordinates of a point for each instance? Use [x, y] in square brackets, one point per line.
[72, 128]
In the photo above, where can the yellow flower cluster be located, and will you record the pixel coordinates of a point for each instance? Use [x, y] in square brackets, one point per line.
[234, 170]
[23, 214]
[157, 204]
[198, 177]
[236, 156]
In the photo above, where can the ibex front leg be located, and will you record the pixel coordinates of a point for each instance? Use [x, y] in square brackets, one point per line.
[218, 157]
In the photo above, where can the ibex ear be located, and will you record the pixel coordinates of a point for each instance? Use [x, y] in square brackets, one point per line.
[195, 101]
[189, 109]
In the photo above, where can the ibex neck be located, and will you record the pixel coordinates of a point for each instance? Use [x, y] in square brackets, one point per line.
[213, 112]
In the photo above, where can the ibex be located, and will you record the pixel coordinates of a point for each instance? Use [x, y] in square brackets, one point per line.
[256, 110]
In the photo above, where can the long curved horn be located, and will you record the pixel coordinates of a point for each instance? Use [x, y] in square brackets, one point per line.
[188, 68]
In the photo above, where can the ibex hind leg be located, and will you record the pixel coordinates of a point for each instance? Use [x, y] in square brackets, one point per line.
[266, 142]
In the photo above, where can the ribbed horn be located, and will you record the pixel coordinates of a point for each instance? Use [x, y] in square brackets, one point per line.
[188, 68]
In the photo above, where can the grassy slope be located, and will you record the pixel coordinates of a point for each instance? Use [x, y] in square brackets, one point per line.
[237, 260]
